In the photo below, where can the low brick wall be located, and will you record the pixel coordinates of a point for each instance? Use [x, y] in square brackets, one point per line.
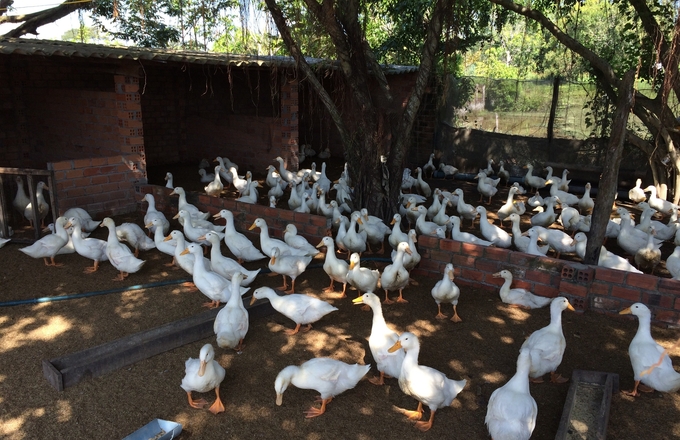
[587, 287]
[312, 227]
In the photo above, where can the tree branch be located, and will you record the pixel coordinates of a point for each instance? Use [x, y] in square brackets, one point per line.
[294, 50]
[31, 22]
[598, 63]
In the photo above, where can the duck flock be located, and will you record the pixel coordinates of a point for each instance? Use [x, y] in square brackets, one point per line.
[511, 411]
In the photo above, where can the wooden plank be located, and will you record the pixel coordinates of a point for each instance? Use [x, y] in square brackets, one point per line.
[93, 362]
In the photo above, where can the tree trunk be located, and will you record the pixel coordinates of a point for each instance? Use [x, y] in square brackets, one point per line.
[553, 109]
[608, 185]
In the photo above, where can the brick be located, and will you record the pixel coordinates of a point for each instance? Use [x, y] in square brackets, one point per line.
[471, 274]
[598, 288]
[677, 304]
[81, 163]
[643, 281]
[431, 266]
[541, 277]
[573, 289]
[99, 180]
[657, 300]
[449, 245]
[548, 291]
[487, 265]
[610, 275]
[497, 254]
[606, 304]
[428, 242]
[442, 257]
[472, 249]
[519, 284]
[464, 261]
[74, 174]
[667, 285]
[318, 221]
[667, 316]
[61, 166]
[489, 279]
[625, 293]
[285, 214]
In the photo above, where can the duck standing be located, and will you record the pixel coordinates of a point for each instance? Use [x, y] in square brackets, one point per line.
[445, 290]
[652, 368]
[202, 375]
[120, 256]
[546, 346]
[428, 386]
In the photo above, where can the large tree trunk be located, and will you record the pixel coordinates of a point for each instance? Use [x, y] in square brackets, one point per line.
[610, 175]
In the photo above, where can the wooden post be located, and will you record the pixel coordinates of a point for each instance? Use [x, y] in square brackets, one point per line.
[609, 179]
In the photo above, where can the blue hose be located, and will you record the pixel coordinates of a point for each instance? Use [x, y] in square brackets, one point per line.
[46, 299]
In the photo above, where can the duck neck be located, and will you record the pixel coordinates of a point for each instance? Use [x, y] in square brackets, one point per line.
[411, 358]
[644, 326]
[112, 237]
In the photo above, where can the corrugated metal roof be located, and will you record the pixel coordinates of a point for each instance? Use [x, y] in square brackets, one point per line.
[25, 46]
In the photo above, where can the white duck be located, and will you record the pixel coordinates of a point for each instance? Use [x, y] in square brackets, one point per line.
[285, 174]
[152, 213]
[202, 375]
[211, 284]
[547, 217]
[503, 173]
[629, 238]
[239, 245]
[465, 210]
[120, 256]
[184, 261]
[291, 237]
[382, 338]
[546, 346]
[288, 265]
[606, 259]
[353, 240]
[335, 268]
[410, 260]
[49, 245]
[532, 247]
[485, 188]
[491, 232]
[90, 247]
[636, 194]
[167, 247]
[566, 198]
[20, 199]
[448, 170]
[192, 232]
[43, 206]
[231, 323]
[520, 241]
[240, 183]
[652, 367]
[535, 182]
[673, 263]
[250, 195]
[328, 376]
[429, 165]
[511, 412]
[421, 186]
[302, 309]
[362, 278]
[268, 244]
[464, 237]
[225, 266]
[169, 181]
[557, 240]
[205, 176]
[428, 386]
[510, 206]
[193, 211]
[395, 276]
[519, 297]
[661, 205]
[397, 235]
[649, 256]
[446, 291]
[133, 234]
[423, 226]
[586, 203]
[215, 187]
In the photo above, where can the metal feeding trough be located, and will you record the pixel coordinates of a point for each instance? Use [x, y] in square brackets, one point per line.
[68, 370]
[586, 410]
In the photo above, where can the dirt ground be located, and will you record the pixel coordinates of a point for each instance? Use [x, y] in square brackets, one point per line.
[482, 349]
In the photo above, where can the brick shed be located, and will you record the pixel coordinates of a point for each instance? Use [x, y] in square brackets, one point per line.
[98, 116]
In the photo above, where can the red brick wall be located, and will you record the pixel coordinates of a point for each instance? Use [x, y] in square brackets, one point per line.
[587, 287]
[103, 186]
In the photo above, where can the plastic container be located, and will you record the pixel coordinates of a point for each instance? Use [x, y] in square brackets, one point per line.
[152, 429]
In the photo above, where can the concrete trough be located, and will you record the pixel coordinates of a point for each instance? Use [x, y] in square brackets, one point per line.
[586, 410]
[96, 361]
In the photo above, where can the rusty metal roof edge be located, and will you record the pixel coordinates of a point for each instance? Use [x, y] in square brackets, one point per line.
[28, 46]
